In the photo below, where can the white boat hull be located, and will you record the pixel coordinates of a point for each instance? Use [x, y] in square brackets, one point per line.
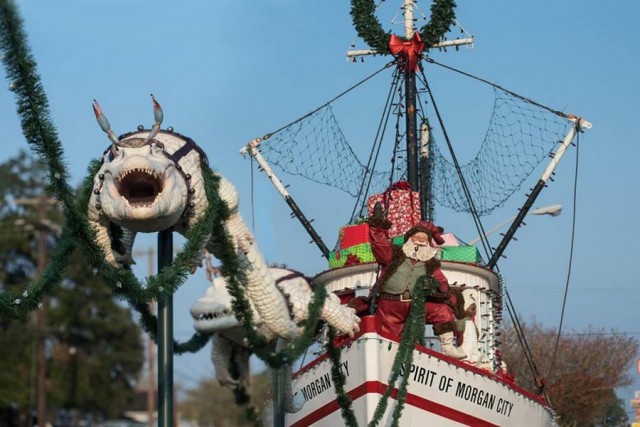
[441, 391]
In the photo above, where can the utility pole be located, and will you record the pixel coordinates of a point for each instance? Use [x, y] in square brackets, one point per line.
[41, 204]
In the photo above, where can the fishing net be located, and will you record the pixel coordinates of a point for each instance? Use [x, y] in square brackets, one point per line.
[520, 134]
[315, 148]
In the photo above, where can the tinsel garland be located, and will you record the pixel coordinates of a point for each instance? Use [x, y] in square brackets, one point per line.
[241, 395]
[39, 131]
[125, 283]
[17, 304]
[412, 334]
[33, 109]
[167, 281]
[369, 29]
[259, 345]
[339, 380]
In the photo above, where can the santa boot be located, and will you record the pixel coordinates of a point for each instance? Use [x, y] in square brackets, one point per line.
[448, 348]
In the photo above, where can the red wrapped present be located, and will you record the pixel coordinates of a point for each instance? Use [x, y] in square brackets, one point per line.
[351, 235]
[403, 207]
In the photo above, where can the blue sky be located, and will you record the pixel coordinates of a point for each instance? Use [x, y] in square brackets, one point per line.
[226, 72]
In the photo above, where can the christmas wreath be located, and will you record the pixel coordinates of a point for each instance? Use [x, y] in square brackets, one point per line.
[370, 30]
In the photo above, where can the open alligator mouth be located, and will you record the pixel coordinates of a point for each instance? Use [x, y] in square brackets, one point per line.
[139, 186]
[214, 315]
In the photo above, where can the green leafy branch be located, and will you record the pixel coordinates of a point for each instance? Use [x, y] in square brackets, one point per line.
[370, 30]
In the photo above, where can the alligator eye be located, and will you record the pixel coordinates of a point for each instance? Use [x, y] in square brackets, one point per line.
[113, 152]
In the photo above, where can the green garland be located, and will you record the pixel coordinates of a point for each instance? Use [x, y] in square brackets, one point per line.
[40, 133]
[369, 29]
[339, 380]
[33, 108]
[412, 334]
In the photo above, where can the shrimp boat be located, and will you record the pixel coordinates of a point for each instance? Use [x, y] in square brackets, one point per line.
[368, 386]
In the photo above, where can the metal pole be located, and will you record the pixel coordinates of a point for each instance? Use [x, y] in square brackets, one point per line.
[278, 398]
[412, 130]
[151, 355]
[252, 150]
[410, 103]
[165, 337]
[408, 18]
[426, 200]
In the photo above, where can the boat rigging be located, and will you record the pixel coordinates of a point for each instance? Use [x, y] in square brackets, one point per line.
[521, 134]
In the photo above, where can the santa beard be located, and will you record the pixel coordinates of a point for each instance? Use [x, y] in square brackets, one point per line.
[419, 252]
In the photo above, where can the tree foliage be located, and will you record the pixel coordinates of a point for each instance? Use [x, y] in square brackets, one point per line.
[94, 350]
[20, 177]
[211, 404]
[589, 366]
[98, 350]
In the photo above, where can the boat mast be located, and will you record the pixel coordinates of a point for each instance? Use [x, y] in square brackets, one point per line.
[426, 201]
[418, 151]
[411, 113]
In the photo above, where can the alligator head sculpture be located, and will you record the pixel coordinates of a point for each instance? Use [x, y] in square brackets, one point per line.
[152, 180]
[149, 180]
[212, 314]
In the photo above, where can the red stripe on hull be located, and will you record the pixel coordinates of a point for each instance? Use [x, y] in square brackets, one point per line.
[412, 399]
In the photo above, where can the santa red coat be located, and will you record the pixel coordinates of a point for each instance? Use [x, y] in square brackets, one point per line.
[393, 314]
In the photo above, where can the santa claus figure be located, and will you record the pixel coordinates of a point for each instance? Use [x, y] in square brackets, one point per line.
[403, 268]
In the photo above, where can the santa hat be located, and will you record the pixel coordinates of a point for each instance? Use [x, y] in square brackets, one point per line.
[430, 229]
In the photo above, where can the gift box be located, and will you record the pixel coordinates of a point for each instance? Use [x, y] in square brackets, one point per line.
[353, 255]
[450, 240]
[351, 235]
[398, 241]
[403, 207]
[468, 254]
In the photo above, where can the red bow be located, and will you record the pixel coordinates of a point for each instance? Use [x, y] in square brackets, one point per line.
[408, 50]
[352, 260]
[400, 185]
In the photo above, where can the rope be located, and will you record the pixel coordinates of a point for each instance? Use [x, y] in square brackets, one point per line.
[515, 95]
[373, 160]
[573, 234]
[340, 95]
[476, 218]
[528, 354]
[463, 182]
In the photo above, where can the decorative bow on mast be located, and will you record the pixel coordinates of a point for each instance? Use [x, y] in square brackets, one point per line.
[409, 51]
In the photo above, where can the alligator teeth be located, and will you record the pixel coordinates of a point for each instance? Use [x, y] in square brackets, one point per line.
[151, 172]
[139, 186]
[215, 315]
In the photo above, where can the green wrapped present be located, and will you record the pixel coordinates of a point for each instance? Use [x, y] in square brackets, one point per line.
[398, 241]
[352, 255]
[468, 254]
